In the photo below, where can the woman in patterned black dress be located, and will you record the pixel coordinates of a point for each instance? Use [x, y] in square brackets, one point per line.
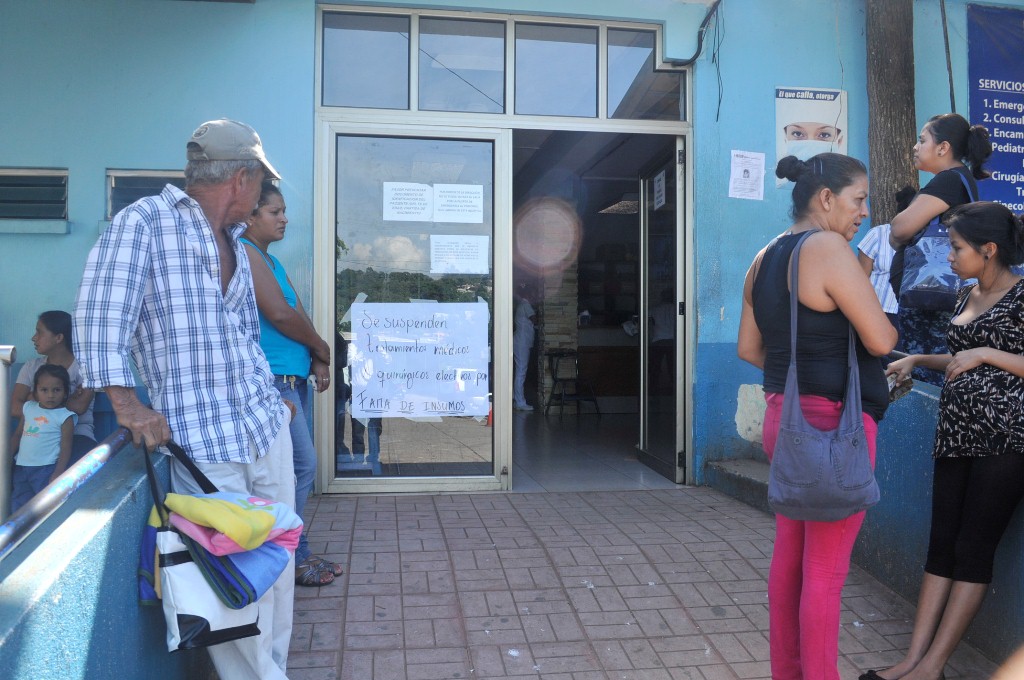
[979, 441]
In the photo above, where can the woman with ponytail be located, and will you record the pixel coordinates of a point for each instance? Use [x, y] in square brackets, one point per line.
[810, 560]
[979, 439]
[955, 152]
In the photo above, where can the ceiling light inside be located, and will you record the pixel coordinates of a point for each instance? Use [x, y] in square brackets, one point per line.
[629, 204]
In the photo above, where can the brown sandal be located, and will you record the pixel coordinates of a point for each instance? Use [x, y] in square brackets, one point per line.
[333, 567]
[310, 572]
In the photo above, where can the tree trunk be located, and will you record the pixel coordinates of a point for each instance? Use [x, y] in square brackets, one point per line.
[892, 129]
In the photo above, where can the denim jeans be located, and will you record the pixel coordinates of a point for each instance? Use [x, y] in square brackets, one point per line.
[339, 426]
[375, 426]
[27, 481]
[303, 453]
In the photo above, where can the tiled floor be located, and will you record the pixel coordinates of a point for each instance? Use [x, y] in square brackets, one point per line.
[593, 585]
[579, 453]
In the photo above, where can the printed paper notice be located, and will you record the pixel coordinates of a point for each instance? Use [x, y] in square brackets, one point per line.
[459, 254]
[410, 360]
[408, 202]
[462, 203]
[659, 190]
[746, 175]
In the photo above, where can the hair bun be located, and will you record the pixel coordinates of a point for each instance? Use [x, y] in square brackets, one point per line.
[791, 168]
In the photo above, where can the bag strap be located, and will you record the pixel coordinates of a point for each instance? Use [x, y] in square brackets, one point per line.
[204, 483]
[154, 488]
[967, 185]
[154, 483]
[794, 292]
[852, 395]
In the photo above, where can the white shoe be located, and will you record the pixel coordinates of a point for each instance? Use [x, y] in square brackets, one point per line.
[523, 407]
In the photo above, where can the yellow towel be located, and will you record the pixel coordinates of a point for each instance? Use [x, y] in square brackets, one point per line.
[246, 526]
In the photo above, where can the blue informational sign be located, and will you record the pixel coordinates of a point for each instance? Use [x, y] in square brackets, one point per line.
[995, 38]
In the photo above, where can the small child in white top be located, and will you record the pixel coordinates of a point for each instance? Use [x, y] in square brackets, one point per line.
[44, 436]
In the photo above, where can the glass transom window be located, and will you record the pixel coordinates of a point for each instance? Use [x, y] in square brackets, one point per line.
[636, 89]
[462, 65]
[412, 61]
[366, 61]
[556, 70]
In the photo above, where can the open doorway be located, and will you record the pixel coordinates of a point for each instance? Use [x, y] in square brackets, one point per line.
[595, 247]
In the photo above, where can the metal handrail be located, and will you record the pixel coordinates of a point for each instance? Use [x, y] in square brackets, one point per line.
[7, 356]
[43, 504]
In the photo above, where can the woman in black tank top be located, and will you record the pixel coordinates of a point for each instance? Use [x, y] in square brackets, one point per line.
[811, 559]
[955, 152]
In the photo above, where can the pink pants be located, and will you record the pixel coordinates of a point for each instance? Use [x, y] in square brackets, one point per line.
[809, 566]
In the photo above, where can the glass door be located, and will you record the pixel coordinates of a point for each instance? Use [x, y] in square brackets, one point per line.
[661, 307]
[415, 317]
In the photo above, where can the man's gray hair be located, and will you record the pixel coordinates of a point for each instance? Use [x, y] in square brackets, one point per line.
[215, 172]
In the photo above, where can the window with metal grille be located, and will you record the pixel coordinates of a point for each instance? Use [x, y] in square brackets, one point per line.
[30, 194]
[124, 187]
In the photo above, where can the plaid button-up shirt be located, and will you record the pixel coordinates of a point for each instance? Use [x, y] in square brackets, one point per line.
[151, 293]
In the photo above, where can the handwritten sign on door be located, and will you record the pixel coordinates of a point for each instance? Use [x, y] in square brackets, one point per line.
[417, 359]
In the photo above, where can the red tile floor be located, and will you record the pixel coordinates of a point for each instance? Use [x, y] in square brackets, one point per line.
[665, 584]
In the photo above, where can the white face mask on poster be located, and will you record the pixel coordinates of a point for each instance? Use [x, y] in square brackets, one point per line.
[808, 148]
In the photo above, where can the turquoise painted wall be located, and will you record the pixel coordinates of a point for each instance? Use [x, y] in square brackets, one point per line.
[823, 47]
[893, 542]
[728, 232]
[122, 84]
[68, 603]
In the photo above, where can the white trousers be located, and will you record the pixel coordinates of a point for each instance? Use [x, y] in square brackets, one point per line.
[264, 656]
[521, 347]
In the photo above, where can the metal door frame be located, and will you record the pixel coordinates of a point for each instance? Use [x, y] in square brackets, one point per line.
[324, 305]
[685, 344]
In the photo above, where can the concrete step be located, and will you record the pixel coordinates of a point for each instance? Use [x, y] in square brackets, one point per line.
[744, 479]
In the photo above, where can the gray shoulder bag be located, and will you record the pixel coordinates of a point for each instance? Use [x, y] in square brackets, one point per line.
[820, 476]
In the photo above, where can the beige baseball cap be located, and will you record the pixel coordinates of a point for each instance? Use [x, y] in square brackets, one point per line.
[228, 140]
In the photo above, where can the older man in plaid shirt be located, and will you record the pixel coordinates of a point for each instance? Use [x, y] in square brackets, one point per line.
[168, 287]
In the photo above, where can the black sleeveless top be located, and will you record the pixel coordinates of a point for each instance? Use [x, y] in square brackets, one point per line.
[822, 337]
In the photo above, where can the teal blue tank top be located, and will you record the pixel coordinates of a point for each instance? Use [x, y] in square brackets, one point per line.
[286, 356]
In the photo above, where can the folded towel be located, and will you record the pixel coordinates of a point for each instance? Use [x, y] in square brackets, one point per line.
[226, 523]
[242, 578]
[240, 543]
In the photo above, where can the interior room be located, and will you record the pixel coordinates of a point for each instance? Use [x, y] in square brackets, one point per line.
[584, 271]
[591, 416]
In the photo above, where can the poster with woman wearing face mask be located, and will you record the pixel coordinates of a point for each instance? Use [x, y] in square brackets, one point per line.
[809, 121]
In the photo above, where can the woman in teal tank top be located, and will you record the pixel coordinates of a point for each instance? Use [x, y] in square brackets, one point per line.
[295, 351]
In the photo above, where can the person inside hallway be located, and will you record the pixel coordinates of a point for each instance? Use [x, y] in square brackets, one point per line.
[366, 433]
[294, 350]
[525, 319]
[52, 340]
[979, 439]
[810, 560]
[663, 343]
[955, 152]
[342, 393]
[344, 457]
[168, 289]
